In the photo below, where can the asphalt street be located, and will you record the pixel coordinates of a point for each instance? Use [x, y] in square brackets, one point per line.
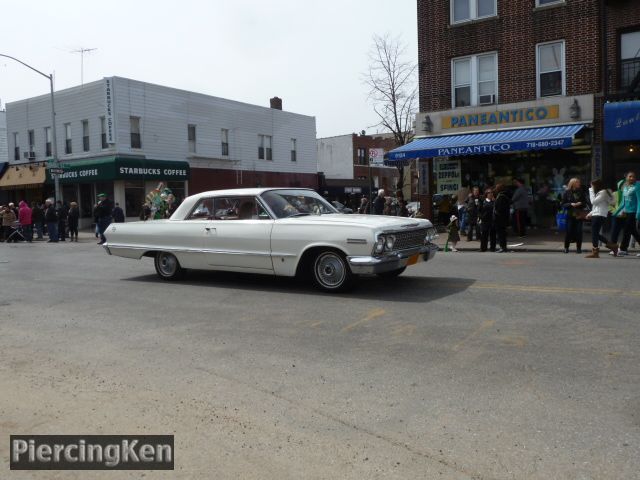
[473, 366]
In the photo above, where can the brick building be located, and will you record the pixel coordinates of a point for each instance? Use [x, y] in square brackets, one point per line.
[343, 162]
[516, 89]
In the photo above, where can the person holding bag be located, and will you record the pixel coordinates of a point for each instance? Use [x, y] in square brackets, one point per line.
[601, 199]
[574, 201]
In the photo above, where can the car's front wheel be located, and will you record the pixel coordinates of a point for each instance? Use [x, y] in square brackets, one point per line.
[331, 272]
[392, 273]
[168, 267]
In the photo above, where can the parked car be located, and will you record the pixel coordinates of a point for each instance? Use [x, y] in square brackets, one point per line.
[275, 231]
[340, 207]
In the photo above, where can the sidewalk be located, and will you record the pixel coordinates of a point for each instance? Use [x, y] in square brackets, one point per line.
[535, 241]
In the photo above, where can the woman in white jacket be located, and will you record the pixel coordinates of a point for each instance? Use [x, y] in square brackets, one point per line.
[601, 199]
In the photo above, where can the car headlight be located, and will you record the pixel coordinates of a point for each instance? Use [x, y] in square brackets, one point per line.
[379, 248]
[389, 242]
[431, 236]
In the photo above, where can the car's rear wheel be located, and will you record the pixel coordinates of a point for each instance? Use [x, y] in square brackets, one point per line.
[168, 267]
[392, 273]
[331, 272]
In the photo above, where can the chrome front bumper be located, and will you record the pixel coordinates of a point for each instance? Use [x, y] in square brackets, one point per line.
[390, 262]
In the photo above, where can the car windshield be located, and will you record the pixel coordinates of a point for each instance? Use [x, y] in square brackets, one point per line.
[296, 203]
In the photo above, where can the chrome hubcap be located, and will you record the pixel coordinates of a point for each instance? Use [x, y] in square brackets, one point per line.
[167, 264]
[330, 270]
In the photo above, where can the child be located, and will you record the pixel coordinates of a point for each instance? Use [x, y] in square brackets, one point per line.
[454, 233]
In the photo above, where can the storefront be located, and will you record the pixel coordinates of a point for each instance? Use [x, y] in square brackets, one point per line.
[545, 143]
[23, 182]
[126, 180]
[622, 136]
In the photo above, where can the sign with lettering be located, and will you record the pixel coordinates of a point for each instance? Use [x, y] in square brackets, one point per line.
[109, 114]
[622, 121]
[448, 176]
[376, 156]
[501, 117]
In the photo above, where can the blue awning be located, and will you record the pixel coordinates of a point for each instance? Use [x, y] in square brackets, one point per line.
[502, 141]
[622, 121]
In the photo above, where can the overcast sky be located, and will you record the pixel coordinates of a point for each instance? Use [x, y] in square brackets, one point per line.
[310, 53]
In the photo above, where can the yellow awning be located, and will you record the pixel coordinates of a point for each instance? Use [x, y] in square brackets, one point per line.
[23, 176]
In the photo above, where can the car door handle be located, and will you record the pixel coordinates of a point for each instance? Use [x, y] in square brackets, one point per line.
[210, 229]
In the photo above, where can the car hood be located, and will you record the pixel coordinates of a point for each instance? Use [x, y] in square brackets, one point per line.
[374, 221]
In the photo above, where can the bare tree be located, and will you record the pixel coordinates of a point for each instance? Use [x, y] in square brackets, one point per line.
[392, 89]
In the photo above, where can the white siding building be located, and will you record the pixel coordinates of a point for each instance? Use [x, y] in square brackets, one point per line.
[4, 148]
[123, 137]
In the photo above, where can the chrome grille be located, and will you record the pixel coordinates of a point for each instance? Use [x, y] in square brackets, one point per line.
[410, 239]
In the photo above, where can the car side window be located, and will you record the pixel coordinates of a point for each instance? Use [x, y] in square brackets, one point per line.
[203, 211]
[239, 208]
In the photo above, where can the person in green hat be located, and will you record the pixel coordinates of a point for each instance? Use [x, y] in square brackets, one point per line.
[103, 215]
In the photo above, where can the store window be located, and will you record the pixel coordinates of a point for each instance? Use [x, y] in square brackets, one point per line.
[85, 135]
[191, 137]
[47, 141]
[67, 139]
[134, 126]
[87, 200]
[224, 134]
[103, 133]
[465, 10]
[265, 147]
[630, 60]
[178, 190]
[475, 80]
[551, 71]
[134, 196]
[542, 3]
[361, 154]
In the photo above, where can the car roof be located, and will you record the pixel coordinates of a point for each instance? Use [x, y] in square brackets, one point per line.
[244, 191]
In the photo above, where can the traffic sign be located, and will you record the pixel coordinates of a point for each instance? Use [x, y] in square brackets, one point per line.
[376, 156]
[56, 171]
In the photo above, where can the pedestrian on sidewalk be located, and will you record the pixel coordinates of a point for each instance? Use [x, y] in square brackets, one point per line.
[37, 217]
[574, 201]
[73, 219]
[51, 219]
[118, 214]
[473, 206]
[520, 202]
[601, 199]
[24, 215]
[629, 212]
[8, 219]
[103, 215]
[454, 233]
[63, 213]
[501, 216]
[485, 220]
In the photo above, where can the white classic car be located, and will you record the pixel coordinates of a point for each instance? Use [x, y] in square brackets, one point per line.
[275, 231]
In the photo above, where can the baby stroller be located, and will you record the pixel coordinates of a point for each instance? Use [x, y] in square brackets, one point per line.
[15, 233]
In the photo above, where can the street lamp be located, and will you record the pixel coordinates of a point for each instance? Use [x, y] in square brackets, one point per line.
[53, 124]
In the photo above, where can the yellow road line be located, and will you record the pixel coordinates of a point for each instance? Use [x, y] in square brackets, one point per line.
[375, 313]
[550, 289]
[486, 324]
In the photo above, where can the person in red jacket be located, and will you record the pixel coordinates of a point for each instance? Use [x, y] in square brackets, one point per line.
[24, 217]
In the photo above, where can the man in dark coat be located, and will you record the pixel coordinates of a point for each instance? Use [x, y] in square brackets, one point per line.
[51, 219]
[473, 205]
[63, 212]
[118, 214]
[501, 216]
[485, 220]
[103, 215]
[378, 203]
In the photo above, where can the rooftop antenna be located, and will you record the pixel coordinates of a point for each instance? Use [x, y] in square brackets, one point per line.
[82, 51]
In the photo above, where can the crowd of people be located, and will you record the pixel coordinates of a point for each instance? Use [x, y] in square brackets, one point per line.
[489, 215]
[57, 220]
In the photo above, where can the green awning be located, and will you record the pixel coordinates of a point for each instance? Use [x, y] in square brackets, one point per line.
[121, 168]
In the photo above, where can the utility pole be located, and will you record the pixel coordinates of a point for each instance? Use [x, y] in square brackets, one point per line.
[56, 160]
[82, 51]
